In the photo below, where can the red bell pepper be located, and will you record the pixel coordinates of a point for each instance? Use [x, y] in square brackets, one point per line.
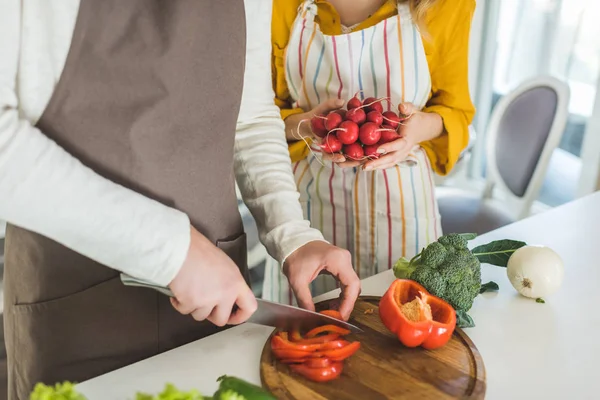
[327, 328]
[290, 354]
[333, 314]
[319, 354]
[432, 330]
[323, 374]
[277, 342]
[338, 354]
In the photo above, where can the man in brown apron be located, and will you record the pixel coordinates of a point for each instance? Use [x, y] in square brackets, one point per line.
[183, 64]
[148, 98]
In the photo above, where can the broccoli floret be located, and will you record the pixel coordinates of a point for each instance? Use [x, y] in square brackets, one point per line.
[447, 269]
[431, 280]
[454, 240]
[455, 273]
[433, 255]
[461, 295]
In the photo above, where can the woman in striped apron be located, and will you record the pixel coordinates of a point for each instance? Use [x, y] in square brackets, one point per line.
[414, 53]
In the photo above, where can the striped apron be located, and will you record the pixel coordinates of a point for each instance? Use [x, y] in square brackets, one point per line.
[382, 215]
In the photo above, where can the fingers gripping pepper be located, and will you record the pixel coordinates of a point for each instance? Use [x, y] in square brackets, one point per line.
[418, 318]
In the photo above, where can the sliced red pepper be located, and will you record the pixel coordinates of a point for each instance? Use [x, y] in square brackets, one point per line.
[335, 344]
[294, 360]
[337, 354]
[290, 354]
[277, 342]
[319, 339]
[317, 362]
[295, 336]
[429, 333]
[332, 313]
[327, 328]
[324, 374]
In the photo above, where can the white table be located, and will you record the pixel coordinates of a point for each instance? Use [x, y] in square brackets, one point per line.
[530, 350]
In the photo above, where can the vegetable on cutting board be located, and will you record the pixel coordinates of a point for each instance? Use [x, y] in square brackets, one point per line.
[230, 388]
[449, 270]
[318, 354]
[535, 271]
[418, 318]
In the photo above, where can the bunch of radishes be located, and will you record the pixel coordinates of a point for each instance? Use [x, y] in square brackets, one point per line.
[358, 131]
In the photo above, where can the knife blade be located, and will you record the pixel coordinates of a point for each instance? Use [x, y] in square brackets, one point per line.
[268, 313]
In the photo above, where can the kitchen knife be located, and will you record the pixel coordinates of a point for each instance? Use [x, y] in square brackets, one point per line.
[268, 313]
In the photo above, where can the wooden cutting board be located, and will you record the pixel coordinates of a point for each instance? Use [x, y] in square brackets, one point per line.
[384, 369]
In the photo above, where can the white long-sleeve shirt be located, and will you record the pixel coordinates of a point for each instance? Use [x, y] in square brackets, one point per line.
[46, 190]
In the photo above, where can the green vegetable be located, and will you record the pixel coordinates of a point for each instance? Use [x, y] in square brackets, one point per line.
[449, 270]
[464, 320]
[170, 392]
[232, 388]
[540, 300]
[60, 391]
[491, 286]
[497, 252]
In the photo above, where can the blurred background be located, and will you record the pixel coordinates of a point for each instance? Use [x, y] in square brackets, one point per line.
[513, 42]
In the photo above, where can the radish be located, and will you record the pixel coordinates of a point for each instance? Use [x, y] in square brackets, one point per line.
[332, 120]
[348, 132]
[317, 124]
[356, 115]
[331, 144]
[354, 151]
[375, 116]
[371, 151]
[373, 104]
[353, 103]
[342, 113]
[369, 134]
[388, 136]
[391, 118]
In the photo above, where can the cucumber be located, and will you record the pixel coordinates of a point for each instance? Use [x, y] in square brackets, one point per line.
[244, 390]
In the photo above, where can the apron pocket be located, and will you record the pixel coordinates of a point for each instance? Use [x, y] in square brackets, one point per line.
[237, 250]
[82, 335]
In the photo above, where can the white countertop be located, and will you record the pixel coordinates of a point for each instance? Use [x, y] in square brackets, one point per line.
[530, 350]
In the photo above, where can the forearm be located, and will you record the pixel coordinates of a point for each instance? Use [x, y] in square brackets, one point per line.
[46, 190]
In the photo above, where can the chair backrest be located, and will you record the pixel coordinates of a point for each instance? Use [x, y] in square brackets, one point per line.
[524, 129]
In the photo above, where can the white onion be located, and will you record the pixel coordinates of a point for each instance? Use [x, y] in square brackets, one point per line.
[535, 271]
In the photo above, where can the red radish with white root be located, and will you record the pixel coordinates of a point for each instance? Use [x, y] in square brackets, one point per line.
[369, 133]
[371, 151]
[317, 124]
[347, 133]
[388, 135]
[353, 103]
[331, 144]
[356, 115]
[373, 104]
[354, 151]
[358, 132]
[392, 119]
[375, 117]
[332, 120]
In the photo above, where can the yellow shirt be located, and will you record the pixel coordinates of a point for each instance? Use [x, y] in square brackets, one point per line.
[446, 42]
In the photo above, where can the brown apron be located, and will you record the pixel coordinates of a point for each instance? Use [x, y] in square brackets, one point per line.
[149, 98]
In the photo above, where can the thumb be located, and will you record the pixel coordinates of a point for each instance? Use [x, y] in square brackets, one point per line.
[407, 108]
[328, 105]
